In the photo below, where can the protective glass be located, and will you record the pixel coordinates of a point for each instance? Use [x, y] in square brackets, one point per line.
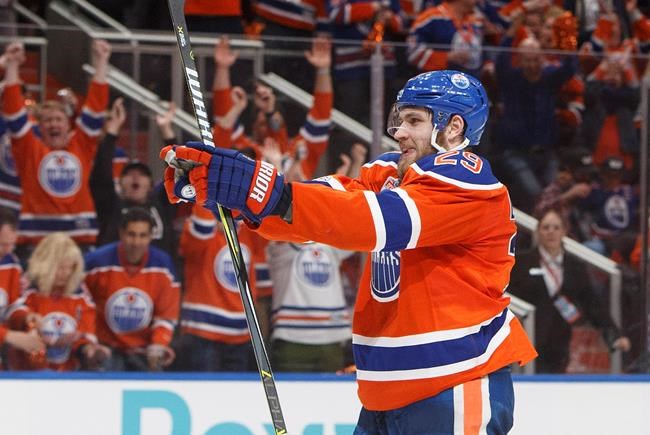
[408, 118]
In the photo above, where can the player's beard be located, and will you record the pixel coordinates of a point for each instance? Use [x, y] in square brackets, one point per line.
[420, 150]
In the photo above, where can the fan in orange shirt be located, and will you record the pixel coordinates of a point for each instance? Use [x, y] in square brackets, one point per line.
[54, 168]
[59, 307]
[134, 285]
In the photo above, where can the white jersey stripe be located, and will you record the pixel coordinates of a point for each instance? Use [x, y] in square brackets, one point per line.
[416, 223]
[459, 409]
[378, 219]
[486, 412]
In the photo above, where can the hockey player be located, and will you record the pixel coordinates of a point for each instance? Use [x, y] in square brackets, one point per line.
[433, 337]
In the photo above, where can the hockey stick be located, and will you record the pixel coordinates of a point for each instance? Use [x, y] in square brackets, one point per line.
[176, 10]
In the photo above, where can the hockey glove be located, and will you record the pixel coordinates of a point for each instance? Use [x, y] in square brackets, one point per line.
[226, 177]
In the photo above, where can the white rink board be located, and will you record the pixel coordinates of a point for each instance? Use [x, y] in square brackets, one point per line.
[232, 405]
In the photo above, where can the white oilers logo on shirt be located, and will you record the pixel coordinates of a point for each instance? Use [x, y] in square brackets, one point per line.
[314, 266]
[224, 270]
[59, 174]
[128, 310]
[54, 327]
[460, 81]
[7, 162]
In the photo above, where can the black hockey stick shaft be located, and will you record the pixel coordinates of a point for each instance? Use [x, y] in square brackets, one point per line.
[176, 10]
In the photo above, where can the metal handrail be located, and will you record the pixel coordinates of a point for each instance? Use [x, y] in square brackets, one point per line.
[101, 16]
[31, 16]
[129, 88]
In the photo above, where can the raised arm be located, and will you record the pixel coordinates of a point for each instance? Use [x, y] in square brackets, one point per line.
[224, 58]
[164, 123]
[101, 52]
[14, 57]
[320, 57]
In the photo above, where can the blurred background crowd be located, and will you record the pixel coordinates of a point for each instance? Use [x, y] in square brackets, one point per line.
[100, 272]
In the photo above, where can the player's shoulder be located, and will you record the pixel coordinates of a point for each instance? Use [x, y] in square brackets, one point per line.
[460, 168]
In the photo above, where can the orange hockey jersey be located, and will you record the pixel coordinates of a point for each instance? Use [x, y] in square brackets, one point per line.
[10, 272]
[64, 315]
[430, 312]
[134, 310]
[212, 306]
[55, 182]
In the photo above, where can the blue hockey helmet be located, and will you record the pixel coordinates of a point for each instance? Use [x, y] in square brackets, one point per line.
[446, 93]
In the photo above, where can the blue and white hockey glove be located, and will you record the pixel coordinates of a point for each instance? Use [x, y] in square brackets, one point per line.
[211, 176]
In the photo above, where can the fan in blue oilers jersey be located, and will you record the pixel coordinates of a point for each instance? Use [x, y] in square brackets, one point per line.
[433, 338]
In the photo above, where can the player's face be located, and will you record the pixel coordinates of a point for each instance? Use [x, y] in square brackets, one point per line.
[8, 238]
[135, 239]
[135, 186]
[550, 232]
[55, 126]
[414, 136]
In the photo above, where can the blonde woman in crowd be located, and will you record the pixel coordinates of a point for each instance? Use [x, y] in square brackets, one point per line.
[59, 308]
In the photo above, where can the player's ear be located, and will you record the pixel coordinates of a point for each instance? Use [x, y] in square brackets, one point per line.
[455, 128]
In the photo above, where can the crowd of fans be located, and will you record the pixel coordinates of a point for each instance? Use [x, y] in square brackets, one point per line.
[107, 275]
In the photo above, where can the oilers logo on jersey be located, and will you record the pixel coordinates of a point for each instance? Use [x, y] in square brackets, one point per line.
[60, 174]
[384, 279]
[314, 266]
[224, 270]
[128, 310]
[55, 326]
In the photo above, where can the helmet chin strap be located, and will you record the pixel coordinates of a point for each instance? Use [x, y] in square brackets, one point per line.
[434, 137]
